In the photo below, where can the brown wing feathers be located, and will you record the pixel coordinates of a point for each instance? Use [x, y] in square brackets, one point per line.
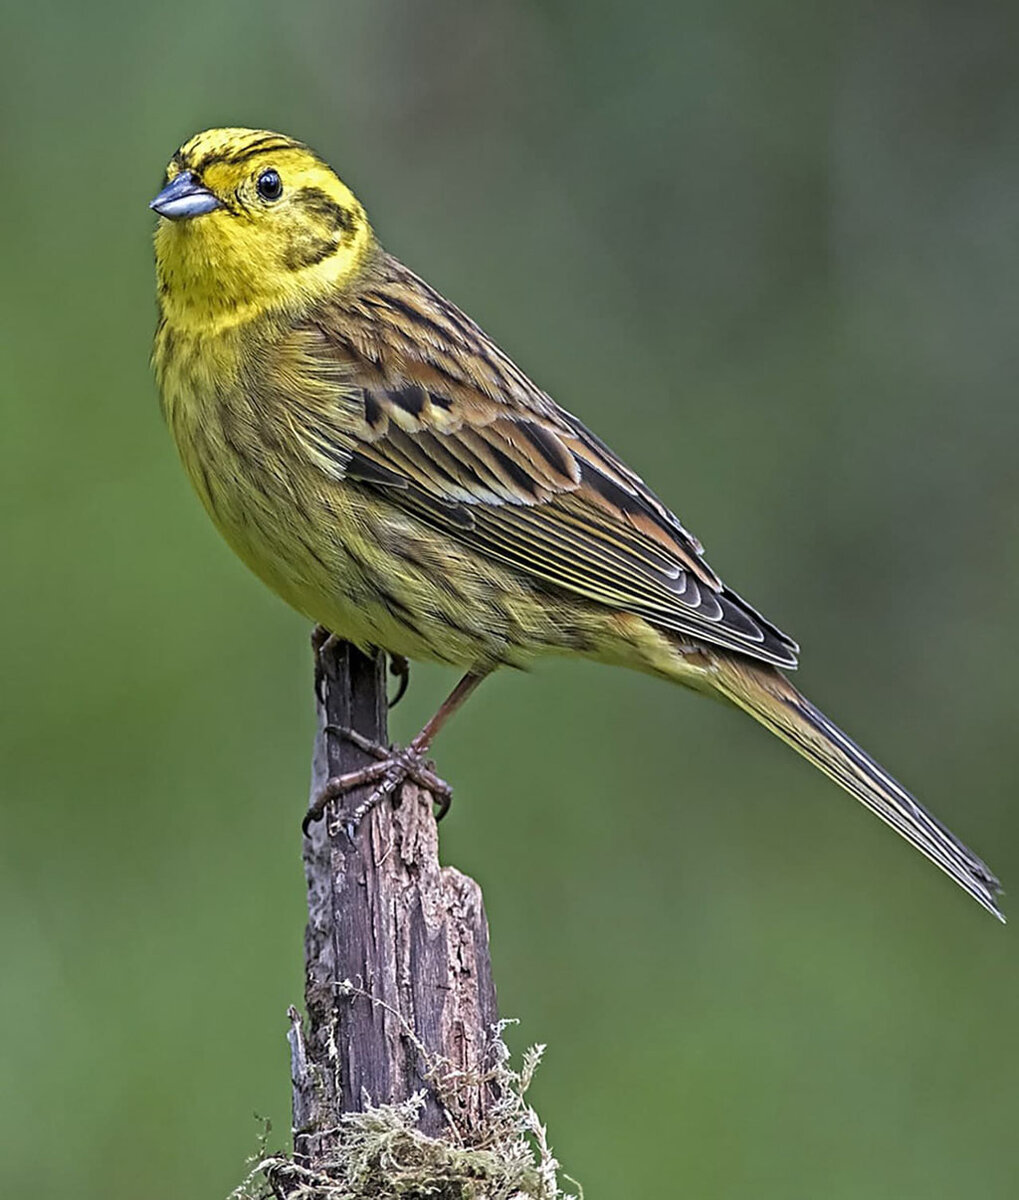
[456, 434]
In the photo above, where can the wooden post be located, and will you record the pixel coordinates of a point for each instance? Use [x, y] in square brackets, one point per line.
[398, 976]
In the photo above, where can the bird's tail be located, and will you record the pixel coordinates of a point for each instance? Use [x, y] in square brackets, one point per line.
[771, 699]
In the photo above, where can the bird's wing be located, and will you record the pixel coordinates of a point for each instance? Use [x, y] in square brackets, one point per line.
[447, 428]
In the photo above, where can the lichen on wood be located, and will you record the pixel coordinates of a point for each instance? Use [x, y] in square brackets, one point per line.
[381, 1153]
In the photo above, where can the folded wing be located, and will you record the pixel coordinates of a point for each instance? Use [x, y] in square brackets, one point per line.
[450, 430]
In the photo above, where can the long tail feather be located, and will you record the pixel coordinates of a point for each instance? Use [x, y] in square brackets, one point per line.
[771, 699]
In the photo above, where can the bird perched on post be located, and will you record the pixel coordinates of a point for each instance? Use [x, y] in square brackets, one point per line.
[384, 467]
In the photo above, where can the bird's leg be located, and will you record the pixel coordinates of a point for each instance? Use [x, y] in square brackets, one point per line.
[399, 668]
[394, 764]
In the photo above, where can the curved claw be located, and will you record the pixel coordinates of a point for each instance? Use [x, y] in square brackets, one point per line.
[339, 785]
[399, 667]
[443, 802]
[392, 769]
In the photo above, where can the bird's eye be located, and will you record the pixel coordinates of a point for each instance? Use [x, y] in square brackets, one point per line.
[270, 186]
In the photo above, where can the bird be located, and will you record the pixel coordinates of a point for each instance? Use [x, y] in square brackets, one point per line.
[381, 464]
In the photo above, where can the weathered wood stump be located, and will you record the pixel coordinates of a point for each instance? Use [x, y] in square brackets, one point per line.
[398, 992]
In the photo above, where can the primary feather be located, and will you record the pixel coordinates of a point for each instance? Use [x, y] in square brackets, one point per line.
[387, 469]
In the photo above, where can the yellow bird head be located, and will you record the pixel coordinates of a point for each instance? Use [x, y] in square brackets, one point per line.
[253, 222]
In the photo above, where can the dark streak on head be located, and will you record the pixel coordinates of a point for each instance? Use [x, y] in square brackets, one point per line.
[307, 252]
[241, 154]
[340, 223]
[262, 145]
[320, 204]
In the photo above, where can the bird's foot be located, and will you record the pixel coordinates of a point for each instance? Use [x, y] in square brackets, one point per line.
[394, 765]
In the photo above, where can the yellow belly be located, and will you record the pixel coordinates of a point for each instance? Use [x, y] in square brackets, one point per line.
[352, 562]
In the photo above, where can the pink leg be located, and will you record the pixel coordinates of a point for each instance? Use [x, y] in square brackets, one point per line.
[395, 765]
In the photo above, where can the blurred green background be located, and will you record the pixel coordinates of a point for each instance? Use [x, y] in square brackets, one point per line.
[770, 253]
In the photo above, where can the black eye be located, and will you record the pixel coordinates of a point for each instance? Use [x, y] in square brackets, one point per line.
[270, 186]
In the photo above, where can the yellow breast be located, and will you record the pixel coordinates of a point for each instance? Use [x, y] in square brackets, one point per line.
[239, 455]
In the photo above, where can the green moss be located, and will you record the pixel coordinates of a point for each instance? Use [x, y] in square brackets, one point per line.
[380, 1154]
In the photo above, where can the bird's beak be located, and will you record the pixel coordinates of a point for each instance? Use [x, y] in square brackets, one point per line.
[183, 198]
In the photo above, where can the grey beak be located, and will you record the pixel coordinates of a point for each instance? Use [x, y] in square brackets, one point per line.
[183, 198]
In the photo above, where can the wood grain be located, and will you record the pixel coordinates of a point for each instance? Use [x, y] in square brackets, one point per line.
[398, 975]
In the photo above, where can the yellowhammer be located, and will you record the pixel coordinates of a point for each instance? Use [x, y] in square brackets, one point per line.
[380, 463]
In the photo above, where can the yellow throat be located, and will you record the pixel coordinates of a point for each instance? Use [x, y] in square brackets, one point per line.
[277, 231]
